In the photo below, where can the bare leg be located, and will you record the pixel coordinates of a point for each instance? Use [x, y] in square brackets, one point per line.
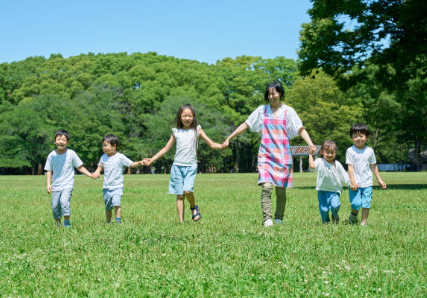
[365, 213]
[108, 214]
[180, 207]
[190, 197]
[58, 222]
[118, 211]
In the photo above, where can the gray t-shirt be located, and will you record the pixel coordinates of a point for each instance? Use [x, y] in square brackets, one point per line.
[62, 168]
[113, 169]
[186, 146]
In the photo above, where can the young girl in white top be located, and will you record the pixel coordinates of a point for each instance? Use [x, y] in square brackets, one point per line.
[184, 168]
[331, 177]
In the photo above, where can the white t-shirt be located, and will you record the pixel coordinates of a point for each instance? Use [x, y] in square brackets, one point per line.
[186, 146]
[62, 168]
[293, 121]
[113, 169]
[330, 177]
[361, 159]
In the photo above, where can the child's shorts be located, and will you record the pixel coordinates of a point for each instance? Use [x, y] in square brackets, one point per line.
[362, 197]
[61, 202]
[112, 198]
[182, 179]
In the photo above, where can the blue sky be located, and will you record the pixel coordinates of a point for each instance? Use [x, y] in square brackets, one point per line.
[206, 31]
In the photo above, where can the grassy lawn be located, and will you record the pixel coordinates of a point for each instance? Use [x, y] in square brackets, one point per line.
[228, 253]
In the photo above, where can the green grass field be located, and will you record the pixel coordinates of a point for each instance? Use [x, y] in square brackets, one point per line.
[227, 254]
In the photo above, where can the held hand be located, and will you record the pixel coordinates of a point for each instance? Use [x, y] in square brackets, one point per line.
[49, 189]
[225, 144]
[354, 186]
[312, 149]
[382, 183]
[146, 162]
[92, 175]
[95, 175]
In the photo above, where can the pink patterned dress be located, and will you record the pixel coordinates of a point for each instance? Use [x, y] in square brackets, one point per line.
[274, 155]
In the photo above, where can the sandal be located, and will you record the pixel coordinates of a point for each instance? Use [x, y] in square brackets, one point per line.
[197, 213]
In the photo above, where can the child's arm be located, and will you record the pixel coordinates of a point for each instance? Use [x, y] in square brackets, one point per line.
[163, 151]
[374, 169]
[311, 161]
[304, 134]
[48, 179]
[211, 144]
[97, 173]
[239, 130]
[353, 184]
[83, 170]
[136, 164]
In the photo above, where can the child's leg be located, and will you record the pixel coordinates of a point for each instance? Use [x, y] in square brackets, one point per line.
[190, 197]
[335, 205]
[108, 214]
[56, 207]
[366, 203]
[280, 203]
[267, 189]
[118, 213]
[356, 203]
[365, 214]
[180, 207]
[116, 199]
[65, 205]
[323, 197]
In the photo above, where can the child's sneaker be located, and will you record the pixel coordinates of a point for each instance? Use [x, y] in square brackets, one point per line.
[352, 219]
[364, 224]
[268, 223]
[118, 220]
[67, 224]
[278, 221]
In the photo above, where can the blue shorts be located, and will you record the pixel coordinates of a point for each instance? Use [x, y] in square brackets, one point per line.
[361, 197]
[112, 198]
[182, 179]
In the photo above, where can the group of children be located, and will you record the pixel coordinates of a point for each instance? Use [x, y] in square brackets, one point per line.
[276, 122]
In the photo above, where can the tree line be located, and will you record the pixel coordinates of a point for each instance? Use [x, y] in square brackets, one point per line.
[136, 97]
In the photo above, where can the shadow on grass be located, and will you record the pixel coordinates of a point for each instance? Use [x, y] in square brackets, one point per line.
[389, 187]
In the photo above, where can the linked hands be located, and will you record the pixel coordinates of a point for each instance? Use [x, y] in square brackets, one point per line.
[147, 162]
[225, 144]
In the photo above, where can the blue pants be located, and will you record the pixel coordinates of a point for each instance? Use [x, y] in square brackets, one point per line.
[328, 201]
[61, 202]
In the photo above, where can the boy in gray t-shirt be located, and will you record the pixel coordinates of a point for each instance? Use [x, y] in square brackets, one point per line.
[113, 162]
[60, 165]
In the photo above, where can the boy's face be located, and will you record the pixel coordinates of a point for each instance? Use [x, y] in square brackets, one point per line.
[359, 140]
[108, 148]
[61, 142]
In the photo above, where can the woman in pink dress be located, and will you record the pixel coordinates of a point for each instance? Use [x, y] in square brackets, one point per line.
[277, 123]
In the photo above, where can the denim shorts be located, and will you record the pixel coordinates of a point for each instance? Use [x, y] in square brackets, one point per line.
[112, 198]
[182, 179]
[360, 197]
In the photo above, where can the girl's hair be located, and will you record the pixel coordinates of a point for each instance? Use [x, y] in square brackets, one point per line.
[359, 128]
[329, 145]
[193, 125]
[179, 123]
[279, 88]
[111, 139]
[62, 133]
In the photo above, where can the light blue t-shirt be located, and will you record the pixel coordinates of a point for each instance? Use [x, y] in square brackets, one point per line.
[113, 169]
[62, 168]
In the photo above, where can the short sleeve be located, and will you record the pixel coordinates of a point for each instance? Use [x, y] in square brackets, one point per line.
[48, 165]
[293, 123]
[101, 162]
[255, 119]
[348, 157]
[77, 162]
[317, 164]
[126, 161]
[345, 180]
[372, 159]
[199, 127]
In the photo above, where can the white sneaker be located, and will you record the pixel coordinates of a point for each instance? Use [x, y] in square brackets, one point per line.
[268, 223]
